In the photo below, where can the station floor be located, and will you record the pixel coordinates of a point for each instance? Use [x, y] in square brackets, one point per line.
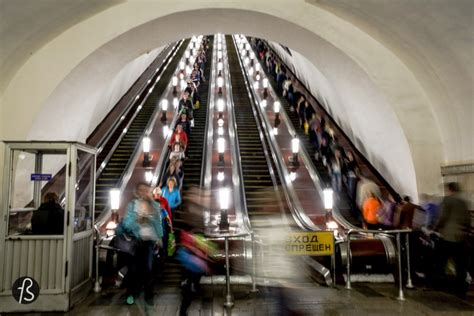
[306, 299]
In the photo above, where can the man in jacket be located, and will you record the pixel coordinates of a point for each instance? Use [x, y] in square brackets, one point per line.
[453, 227]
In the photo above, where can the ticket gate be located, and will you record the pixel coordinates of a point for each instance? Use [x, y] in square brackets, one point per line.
[46, 225]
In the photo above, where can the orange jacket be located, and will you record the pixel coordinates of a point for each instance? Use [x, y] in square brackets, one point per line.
[370, 209]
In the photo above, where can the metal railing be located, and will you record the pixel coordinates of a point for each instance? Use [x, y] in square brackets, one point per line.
[396, 232]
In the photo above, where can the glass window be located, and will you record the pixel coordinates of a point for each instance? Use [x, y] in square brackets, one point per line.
[83, 214]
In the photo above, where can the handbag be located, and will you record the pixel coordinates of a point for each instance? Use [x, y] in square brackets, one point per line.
[171, 244]
[126, 244]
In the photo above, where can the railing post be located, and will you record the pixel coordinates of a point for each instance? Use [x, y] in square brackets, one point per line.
[400, 285]
[254, 266]
[97, 287]
[348, 261]
[333, 262]
[409, 282]
[228, 298]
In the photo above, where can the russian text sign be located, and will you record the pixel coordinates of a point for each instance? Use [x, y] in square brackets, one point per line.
[41, 176]
[310, 243]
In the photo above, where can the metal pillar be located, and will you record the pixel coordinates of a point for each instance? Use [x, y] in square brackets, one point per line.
[228, 297]
[400, 297]
[348, 261]
[409, 282]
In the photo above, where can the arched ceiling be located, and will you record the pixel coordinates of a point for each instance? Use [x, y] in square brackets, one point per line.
[405, 64]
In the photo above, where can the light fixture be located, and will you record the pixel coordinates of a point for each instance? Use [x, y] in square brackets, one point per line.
[275, 131]
[187, 54]
[150, 90]
[175, 102]
[194, 51]
[224, 196]
[332, 225]
[219, 55]
[183, 84]
[110, 228]
[246, 61]
[265, 83]
[148, 176]
[137, 97]
[295, 147]
[182, 65]
[149, 80]
[166, 130]
[188, 70]
[263, 103]
[181, 75]
[328, 199]
[220, 131]
[220, 84]
[251, 71]
[221, 149]
[220, 176]
[257, 67]
[114, 199]
[219, 46]
[164, 108]
[174, 82]
[256, 85]
[220, 66]
[292, 176]
[257, 76]
[220, 106]
[146, 150]
[221, 145]
[247, 46]
[276, 109]
[243, 52]
[220, 122]
[252, 55]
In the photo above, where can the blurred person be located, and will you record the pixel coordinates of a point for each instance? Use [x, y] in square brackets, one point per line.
[453, 226]
[431, 209]
[185, 103]
[194, 255]
[179, 136]
[166, 216]
[335, 168]
[49, 218]
[177, 153]
[350, 170]
[143, 221]
[183, 120]
[370, 209]
[365, 187]
[173, 170]
[172, 194]
[387, 212]
[406, 214]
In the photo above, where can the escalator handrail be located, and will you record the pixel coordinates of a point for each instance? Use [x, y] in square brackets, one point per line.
[235, 150]
[124, 178]
[104, 163]
[301, 219]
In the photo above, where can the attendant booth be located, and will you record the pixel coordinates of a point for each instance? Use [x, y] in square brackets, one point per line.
[46, 225]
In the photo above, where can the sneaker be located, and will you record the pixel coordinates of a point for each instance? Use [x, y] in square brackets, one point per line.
[130, 300]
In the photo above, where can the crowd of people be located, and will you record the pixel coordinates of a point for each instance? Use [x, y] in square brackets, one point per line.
[146, 235]
[448, 218]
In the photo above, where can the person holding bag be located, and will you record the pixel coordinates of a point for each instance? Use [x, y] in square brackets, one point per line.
[143, 221]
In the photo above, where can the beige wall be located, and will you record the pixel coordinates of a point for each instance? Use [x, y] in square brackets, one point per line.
[355, 60]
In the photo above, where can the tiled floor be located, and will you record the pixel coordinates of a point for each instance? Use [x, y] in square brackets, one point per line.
[363, 299]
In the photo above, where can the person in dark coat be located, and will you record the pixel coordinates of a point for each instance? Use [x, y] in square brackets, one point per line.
[453, 226]
[49, 218]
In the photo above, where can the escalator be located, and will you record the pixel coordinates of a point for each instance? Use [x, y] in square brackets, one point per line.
[261, 197]
[171, 274]
[113, 171]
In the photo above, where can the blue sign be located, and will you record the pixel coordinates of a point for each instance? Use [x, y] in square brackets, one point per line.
[41, 176]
